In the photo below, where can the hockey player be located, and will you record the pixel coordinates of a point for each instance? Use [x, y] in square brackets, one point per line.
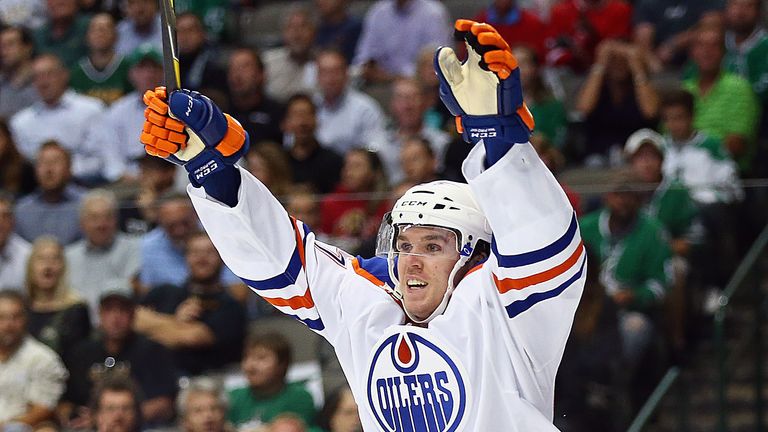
[461, 323]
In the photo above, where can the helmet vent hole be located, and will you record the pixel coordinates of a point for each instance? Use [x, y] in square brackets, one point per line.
[421, 215]
[447, 199]
[439, 206]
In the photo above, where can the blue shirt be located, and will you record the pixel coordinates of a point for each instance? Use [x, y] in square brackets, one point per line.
[36, 217]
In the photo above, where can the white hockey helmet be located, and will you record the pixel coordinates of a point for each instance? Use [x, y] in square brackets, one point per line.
[439, 204]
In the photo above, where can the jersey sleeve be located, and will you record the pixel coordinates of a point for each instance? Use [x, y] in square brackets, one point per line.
[537, 263]
[278, 257]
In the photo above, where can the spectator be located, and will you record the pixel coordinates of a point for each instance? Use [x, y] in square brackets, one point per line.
[516, 25]
[358, 203]
[120, 128]
[407, 110]
[346, 117]
[725, 108]
[58, 317]
[197, 58]
[16, 90]
[198, 321]
[52, 209]
[17, 174]
[311, 162]
[634, 256]
[549, 112]
[102, 73]
[259, 114]
[291, 69]
[14, 250]
[23, 13]
[139, 214]
[287, 423]
[384, 54]
[104, 260]
[616, 100]
[417, 161]
[66, 116]
[116, 350]
[31, 374]
[663, 28]
[577, 27]
[268, 162]
[116, 406]
[265, 363]
[337, 28]
[162, 249]
[202, 407]
[141, 25]
[304, 206]
[339, 414]
[63, 35]
[746, 45]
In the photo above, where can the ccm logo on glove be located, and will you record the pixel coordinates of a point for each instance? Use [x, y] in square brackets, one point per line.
[482, 133]
[206, 169]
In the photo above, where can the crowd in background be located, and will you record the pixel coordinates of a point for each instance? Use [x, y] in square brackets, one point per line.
[116, 311]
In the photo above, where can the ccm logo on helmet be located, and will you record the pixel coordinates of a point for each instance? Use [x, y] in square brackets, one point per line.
[412, 203]
[413, 385]
[482, 133]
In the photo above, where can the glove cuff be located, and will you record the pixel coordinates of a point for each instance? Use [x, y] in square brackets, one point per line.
[506, 130]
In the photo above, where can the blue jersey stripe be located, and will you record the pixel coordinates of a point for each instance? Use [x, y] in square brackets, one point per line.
[532, 257]
[314, 324]
[288, 277]
[517, 307]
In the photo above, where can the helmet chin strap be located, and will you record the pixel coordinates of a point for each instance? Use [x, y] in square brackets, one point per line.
[447, 296]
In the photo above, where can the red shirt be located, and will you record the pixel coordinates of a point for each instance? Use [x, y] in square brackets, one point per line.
[524, 28]
[348, 215]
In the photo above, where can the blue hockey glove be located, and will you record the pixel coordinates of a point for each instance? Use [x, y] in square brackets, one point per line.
[484, 92]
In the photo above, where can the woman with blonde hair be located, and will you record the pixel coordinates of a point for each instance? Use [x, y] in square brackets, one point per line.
[57, 316]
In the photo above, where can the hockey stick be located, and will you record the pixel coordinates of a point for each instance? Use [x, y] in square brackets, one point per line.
[171, 73]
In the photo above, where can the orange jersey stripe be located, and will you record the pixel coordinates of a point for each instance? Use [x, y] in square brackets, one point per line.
[505, 285]
[364, 273]
[296, 302]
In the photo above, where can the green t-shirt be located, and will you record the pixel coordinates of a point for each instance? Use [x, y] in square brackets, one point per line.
[108, 85]
[213, 13]
[247, 408]
[750, 61]
[638, 261]
[551, 120]
[672, 205]
[70, 47]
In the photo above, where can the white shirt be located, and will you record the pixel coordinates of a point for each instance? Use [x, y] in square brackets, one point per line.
[68, 122]
[285, 77]
[13, 262]
[119, 131]
[128, 39]
[354, 121]
[33, 374]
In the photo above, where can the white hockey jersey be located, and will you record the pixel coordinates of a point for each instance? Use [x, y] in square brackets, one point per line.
[488, 363]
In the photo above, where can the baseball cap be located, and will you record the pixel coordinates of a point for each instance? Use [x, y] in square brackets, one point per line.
[121, 297]
[643, 136]
[144, 52]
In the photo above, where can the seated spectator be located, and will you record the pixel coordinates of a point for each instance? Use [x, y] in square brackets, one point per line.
[116, 350]
[156, 179]
[384, 54]
[259, 114]
[105, 259]
[549, 113]
[615, 100]
[418, 161]
[634, 255]
[577, 27]
[162, 249]
[311, 162]
[31, 374]
[102, 73]
[14, 250]
[116, 406]
[198, 320]
[663, 28]
[58, 317]
[66, 116]
[746, 45]
[516, 25]
[17, 175]
[725, 105]
[265, 363]
[16, 90]
[53, 208]
[355, 208]
[337, 28]
[291, 68]
[268, 162]
[407, 111]
[140, 26]
[346, 117]
[63, 33]
[339, 414]
[198, 58]
[202, 407]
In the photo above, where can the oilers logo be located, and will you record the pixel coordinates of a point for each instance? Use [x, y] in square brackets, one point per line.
[415, 386]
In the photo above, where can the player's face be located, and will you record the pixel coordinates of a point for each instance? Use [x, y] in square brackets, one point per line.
[426, 257]
[204, 413]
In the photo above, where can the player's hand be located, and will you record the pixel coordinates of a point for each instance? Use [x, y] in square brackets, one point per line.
[190, 130]
[484, 92]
